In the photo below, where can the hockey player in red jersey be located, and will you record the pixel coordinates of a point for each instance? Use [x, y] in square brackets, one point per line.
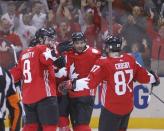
[60, 49]
[119, 71]
[35, 69]
[62, 96]
[79, 62]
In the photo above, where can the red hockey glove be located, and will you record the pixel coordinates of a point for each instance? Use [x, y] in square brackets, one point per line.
[64, 86]
[157, 82]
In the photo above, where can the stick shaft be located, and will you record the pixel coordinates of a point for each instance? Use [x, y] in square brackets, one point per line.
[15, 55]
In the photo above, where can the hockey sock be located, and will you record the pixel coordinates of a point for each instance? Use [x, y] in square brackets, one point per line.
[30, 127]
[64, 124]
[81, 128]
[63, 121]
[49, 127]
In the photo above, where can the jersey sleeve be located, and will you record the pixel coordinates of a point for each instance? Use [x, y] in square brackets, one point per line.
[141, 74]
[97, 74]
[45, 57]
[16, 72]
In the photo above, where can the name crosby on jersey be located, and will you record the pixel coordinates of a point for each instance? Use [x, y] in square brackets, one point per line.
[28, 55]
[124, 65]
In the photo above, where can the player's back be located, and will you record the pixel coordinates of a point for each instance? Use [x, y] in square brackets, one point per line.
[37, 75]
[120, 73]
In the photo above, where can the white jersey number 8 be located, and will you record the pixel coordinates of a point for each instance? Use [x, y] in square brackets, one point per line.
[26, 71]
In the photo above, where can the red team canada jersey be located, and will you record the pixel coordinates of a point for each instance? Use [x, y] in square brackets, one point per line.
[37, 74]
[119, 73]
[79, 66]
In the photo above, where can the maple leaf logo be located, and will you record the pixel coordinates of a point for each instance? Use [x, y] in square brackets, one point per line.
[48, 55]
[73, 75]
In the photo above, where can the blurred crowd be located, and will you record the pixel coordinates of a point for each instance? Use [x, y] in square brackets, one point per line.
[140, 23]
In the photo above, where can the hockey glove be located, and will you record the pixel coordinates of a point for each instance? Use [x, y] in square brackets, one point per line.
[64, 46]
[80, 84]
[64, 86]
[53, 53]
[60, 62]
[157, 82]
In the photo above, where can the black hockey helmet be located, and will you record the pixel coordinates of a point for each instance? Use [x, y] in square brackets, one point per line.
[34, 41]
[77, 36]
[52, 32]
[113, 43]
[42, 33]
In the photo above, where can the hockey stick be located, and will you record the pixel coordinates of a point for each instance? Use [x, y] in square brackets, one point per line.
[151, 90]
[150, 93]
[157, 97]
[15, 55]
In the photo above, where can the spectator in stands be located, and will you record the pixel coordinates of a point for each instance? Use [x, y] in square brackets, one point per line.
[157, 38]
[10, 15]
[102, 8]
[63, 32]
[90, 21]
[124, 7]
[38, 15]
[135, 29]
[52, 5]
[116, 27]
[89, 6]
[51, 19]
[7, 38]
[90, 28]
[63, 12]
[25, 30]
